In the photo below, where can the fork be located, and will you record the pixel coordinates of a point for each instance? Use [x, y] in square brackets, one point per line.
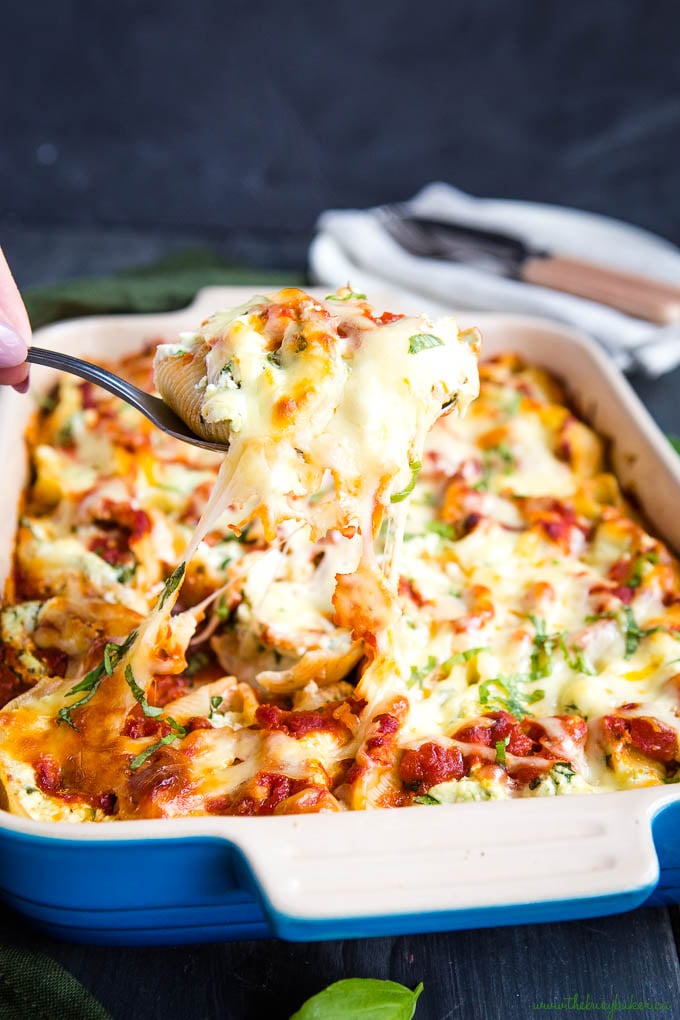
[501, 254]
[153, 408]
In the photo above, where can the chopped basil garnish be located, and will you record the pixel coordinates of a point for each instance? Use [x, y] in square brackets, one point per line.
[422, 342]
[222, 610]
[196, 663]
[90, 683]
[506, 693]
[215, 703]
[398, 497]
[543, 646]
[575, 658]
[458, 658]
[639, 570]
[564, 769]
[500, 749]
[443, 530]
[425, 798]
[176, 732]
[512, 406]
[111, 651]
[497, 458]
[139, 759]
[140, 697]
[177, 728]
[172, 583]
[351, 295]
[632, 632]
[126, 574]
[419, 675]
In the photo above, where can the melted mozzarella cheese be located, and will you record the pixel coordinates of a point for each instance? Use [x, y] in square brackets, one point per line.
[521, 589]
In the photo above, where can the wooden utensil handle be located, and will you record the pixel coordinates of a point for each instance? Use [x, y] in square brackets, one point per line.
[635, 295]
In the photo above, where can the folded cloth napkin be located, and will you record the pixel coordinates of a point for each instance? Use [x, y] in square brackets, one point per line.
[352, 245]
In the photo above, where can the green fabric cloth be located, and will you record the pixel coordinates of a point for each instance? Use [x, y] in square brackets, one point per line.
[32, 986]
[35, 987]
[161, 287]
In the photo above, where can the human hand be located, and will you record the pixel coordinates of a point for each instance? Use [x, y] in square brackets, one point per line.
[15, 332]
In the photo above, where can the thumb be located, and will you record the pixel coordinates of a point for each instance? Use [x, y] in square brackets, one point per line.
[12, 310]
[15, 331]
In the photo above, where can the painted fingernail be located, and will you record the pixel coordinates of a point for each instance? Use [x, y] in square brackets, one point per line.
[12, 348]
[22, 387]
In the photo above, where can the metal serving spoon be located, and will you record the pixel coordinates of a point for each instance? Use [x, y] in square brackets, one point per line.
[155, 409]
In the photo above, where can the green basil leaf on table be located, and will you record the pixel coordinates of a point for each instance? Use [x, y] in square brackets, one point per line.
[361, 999]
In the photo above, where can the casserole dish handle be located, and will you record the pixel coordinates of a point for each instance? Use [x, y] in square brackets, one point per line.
[472, 865]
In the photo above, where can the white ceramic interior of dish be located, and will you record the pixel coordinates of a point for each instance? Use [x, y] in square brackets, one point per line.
[457, 857]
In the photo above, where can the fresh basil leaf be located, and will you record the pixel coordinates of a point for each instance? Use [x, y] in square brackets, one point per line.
[361, 999]
[140, 697]
[422, 342]
[172, 583]
[398, 497]
[425, 798]
[675, 442]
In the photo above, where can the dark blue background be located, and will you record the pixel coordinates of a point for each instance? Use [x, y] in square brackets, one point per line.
[226, 118]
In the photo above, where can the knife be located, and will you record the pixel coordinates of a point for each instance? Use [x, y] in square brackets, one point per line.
[506, 255]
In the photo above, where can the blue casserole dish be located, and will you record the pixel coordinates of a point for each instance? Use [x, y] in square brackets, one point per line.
[356, 874]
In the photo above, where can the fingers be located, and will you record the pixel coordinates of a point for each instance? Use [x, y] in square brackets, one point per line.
[13, 349]
[15, 331]
[16, 376]
[12, 309]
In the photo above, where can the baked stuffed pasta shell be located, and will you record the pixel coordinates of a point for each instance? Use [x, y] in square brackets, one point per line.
[319, 399]
[179, 374]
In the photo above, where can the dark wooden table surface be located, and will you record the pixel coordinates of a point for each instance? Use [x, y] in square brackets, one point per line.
[477, 975]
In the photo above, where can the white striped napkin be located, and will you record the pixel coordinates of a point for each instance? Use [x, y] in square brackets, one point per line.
[351, 245]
